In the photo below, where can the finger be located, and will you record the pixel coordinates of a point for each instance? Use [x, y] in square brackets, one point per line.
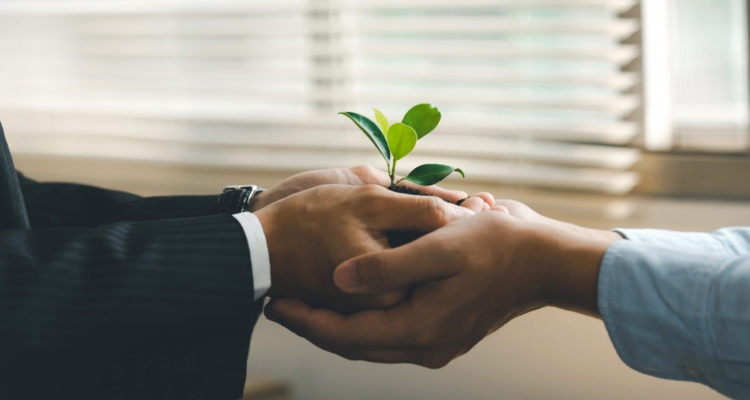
[514, 207]
[363, 331]
[487, 197]
[475, 204]
[416, 213]
[500, 208]
[383, 271]
[362, 336]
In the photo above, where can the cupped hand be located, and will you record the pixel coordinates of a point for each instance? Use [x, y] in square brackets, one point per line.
[355, 176]
[311, 232]
[469, 279]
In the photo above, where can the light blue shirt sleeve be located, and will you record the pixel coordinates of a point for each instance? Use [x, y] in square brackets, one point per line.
[677, 305]
[732, 241]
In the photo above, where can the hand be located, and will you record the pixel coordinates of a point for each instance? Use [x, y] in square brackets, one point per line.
[474, 276]
[311, 232]
[524, 212]
[355, 176]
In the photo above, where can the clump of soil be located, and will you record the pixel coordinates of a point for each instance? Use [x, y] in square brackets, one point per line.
[396, 239]
[415, 192]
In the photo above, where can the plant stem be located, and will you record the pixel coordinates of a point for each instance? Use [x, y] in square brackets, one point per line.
[393, 173]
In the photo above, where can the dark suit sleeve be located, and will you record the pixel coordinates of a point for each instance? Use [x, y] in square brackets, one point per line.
[61, 205]
[102, 308]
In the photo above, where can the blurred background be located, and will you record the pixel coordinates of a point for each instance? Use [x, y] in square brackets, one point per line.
[603, 113]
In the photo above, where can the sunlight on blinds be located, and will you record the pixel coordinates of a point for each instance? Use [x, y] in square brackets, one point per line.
[710, 63]
[532, 92]
[695, 63]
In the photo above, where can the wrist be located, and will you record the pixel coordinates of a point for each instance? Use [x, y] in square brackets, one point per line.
[572, 271]
[258, 202]
[525, 254]
[607, 236]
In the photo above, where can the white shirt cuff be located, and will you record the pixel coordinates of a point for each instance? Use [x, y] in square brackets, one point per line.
[259, 258]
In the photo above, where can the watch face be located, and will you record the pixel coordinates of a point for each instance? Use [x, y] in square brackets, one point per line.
[237, 199]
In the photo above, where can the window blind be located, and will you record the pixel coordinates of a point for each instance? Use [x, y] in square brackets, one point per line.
[709, 74]
[695, 69]
[532, 92]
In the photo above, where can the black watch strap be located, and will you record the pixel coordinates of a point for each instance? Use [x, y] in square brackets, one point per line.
[237, 199]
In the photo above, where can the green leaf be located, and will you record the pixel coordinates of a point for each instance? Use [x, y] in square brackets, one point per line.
[424, 118]
[382, 120]
[401, 140]
[372, 131]
[430, 174]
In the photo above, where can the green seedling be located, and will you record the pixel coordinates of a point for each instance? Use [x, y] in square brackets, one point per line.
[396, 141]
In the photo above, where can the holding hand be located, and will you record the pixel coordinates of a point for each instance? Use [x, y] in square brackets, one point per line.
[311, 232]
[469, 279]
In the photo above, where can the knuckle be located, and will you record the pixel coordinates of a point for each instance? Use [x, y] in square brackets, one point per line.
[366, 173]
[371, 201]
[359, 170]
[371, 190]
[434, 210]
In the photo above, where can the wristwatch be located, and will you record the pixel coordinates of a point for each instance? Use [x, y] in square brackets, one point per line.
[238, 199]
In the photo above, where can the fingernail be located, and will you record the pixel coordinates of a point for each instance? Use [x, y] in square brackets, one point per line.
[346, 276]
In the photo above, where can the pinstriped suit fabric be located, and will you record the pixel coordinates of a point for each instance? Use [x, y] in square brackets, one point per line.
[114, 296]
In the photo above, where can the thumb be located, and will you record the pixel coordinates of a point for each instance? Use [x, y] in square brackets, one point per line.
[392, 269]
[417, 214]
[500, 208]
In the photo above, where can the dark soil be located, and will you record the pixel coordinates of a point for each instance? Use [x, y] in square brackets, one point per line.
[396, 239]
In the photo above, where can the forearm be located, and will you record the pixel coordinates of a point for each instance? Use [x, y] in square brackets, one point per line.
[123, 287]
[678, 314]
[62, 205]
[670, 313]
[597, 234]
[570, 267]
[674, 303]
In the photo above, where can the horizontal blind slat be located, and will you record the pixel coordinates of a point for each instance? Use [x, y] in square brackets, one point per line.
[322, 139]
[610, 132]
[614, 182]
[278, 6]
